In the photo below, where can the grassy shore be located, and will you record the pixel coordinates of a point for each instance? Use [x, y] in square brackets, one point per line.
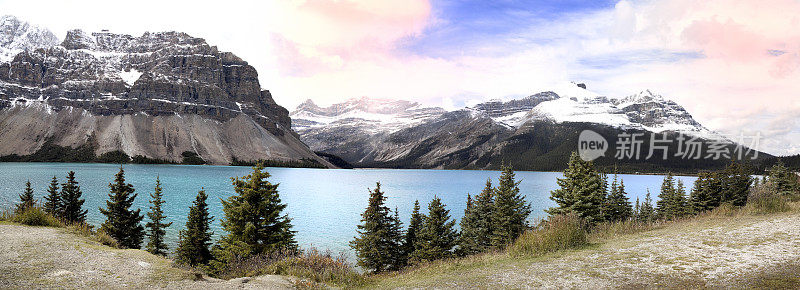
[738, 248]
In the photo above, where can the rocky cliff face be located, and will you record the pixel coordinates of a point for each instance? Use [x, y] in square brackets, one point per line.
[156, 95]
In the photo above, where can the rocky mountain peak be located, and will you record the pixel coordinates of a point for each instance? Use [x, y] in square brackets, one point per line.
[17, 36]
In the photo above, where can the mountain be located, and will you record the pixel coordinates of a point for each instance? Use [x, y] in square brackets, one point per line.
[537, 132]
[160, 95]
[17, 36]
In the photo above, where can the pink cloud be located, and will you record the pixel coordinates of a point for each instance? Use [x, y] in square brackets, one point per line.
[326, 34]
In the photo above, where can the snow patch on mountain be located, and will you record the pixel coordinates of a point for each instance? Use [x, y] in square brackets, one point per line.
[130, 77]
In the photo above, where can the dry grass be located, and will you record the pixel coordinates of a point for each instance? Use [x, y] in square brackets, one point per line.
[556, 233]
[310, 265]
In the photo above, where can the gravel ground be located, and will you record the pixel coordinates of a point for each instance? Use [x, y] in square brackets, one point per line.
[39, 257]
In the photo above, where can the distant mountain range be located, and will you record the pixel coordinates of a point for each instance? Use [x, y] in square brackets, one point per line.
[158, 95]
[537, 132]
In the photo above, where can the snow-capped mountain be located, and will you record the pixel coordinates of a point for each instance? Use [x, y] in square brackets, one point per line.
[372, 115]
[156, 95]
[387, 133]
[17, 36]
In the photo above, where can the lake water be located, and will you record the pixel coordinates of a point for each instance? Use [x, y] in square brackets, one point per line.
[325, 204]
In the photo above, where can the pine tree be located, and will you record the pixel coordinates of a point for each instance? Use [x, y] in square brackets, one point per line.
[681, 203]
[636, 210]
[194, 241]
[438, 237]
[122, 223]
[581, 191]
[52, 204]
[665, 204]
[71, 201]
[476, 226]
[782, 180]
[617, 206]
[736, 184]
[646, 211]
[255, 218]
[510, 210]
[26, 199]
[379, 243]
[412, 234]
[156, 226]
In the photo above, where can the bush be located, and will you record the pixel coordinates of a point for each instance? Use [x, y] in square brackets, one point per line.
[85, 230]
[763, 200]
[311, 264]
[35, 216]
[557, 233]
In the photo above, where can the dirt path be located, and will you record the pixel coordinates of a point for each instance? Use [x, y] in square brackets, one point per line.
[736, 252]
[39, 257]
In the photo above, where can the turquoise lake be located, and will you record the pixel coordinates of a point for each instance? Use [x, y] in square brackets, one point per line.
[325, 204]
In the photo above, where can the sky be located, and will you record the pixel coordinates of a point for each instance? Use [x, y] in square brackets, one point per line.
[733, 64]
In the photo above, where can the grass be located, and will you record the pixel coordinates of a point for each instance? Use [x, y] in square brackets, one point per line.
[562, 241]
[36, 216]
[310, 265]
[555, 234]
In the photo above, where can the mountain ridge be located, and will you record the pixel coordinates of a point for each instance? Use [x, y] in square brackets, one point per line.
[157, 95]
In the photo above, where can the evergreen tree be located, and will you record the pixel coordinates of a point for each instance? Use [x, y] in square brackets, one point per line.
[52, 204]
[666, 203]
[414, 228]
[26, 199]
[510, 210]
[156, 226]
[782, 180]
[581, 191]
[646, 211]
[636, 210]
[379, 244]
[704, 195]
[736, 182]
[438, 236]
[617, 206]
[476, 225]
[680, 200]
[122, 223]
[194, 241]
[71, 201]
[254, 219]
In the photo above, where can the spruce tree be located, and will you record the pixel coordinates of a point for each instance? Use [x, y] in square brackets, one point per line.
[782, 180]
[255, 218]
[736, 184]
[122, 223]
[52, 204]
[617, 206]
[26, 199]
[476, 226]
[636, 210]
[438, 237]
[156, 227]
[379, 243]
[194, 241]
[72, 203]
[414, 228]
[646, 211]
[681, 203]
[665, 205]
[580, 191]
[510, 210]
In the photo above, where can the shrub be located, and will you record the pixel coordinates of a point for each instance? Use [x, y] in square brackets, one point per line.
[35, 216]
[86, 230]
[763, 200]
[311, 264]
[557, 233]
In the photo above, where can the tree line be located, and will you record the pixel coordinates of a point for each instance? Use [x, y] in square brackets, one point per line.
[493, 220]
[255, 221]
